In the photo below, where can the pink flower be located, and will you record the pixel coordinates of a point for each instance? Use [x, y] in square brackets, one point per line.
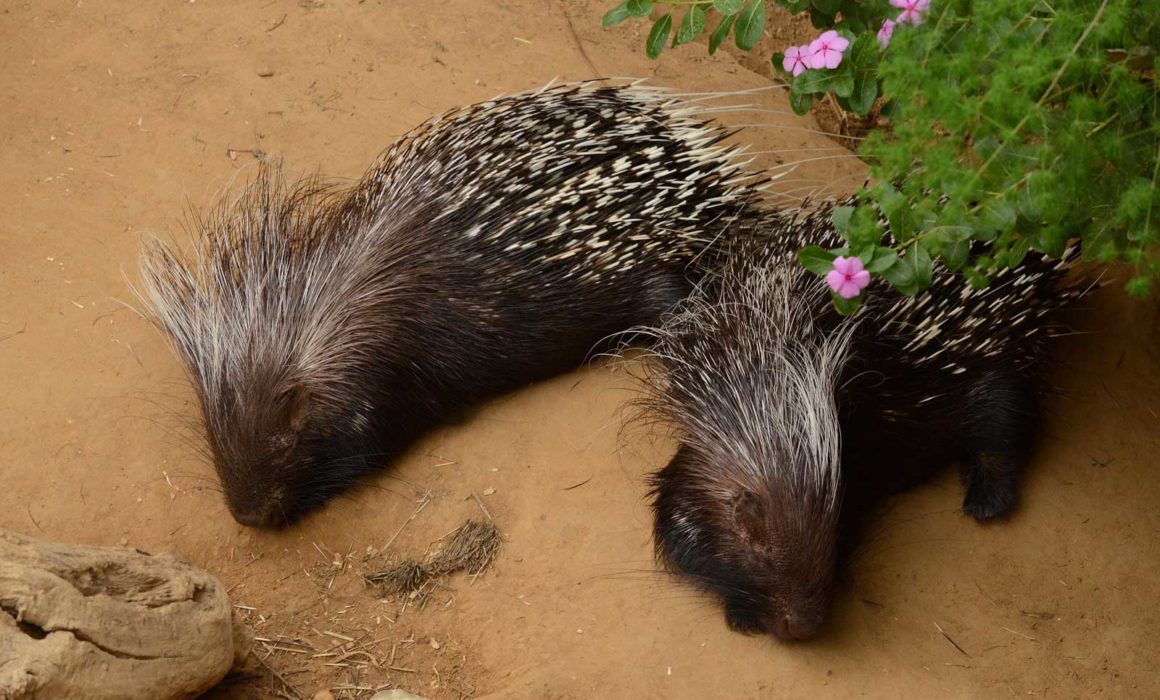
[847, 278]
[911, 10]
[795, 60]
[826, 50]
[886, 32]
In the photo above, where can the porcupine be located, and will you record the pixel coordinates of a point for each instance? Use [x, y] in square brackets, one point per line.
[325, 328]
[793, 422]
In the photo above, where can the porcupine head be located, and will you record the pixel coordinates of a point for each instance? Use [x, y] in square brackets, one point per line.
[256, 313]
[748, 509]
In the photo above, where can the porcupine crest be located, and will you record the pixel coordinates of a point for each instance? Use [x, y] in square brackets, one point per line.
[288, 304]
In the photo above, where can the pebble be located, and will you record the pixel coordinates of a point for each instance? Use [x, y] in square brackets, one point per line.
[265, 73]
[396, 694]
[324, 695]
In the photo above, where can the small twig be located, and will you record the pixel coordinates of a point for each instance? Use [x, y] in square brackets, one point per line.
[277, 24]
[481, 506]
[33, 519]
[576, 486]
[13, 335]
[286, 686]
[953, 642]
[1018, 634]
[422, 504]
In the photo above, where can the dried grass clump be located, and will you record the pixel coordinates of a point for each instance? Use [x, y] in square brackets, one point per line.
[471, 548]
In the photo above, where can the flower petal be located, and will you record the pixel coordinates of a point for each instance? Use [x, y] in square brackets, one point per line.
[898, 3]
[798, 69]
[833, 59]
[861, 278]
[855, 265]
[836, 280]
[848, 290]
[842, 264]
[840, 44]
[828, 36]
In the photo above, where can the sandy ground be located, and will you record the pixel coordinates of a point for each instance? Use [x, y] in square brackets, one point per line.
[114, 116]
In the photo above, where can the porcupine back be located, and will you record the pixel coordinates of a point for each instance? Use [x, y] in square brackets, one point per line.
[326, 327]
[793, 422]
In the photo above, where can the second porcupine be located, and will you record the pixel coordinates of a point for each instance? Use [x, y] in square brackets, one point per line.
[793, 422]
[325, 328]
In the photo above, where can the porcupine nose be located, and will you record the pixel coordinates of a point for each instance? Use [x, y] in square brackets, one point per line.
[792, 627]
[266, 513]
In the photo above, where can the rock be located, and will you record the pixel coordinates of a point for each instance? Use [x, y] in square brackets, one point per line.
[396, 694]
[324, 695]
[98, 623]
[265, 73]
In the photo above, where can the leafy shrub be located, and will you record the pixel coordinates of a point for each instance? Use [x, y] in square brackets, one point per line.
[1014, 125]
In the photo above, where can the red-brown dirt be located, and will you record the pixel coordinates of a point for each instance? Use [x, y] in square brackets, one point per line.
[116, 115]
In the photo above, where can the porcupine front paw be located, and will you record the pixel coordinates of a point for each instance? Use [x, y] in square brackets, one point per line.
[990, 484]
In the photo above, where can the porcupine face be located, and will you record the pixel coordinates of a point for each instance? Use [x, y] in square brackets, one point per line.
[280, 451]
[769, 556]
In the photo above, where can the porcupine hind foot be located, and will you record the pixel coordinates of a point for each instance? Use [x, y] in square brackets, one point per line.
[999, 437]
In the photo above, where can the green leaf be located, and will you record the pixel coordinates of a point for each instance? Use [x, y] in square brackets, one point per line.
[728, 8]
[846, 307]
[844, 82]
[921, 265]
[638, 8]
[800, 102]
[863, 53]
[692, 25]
[841, 219]
[954, 254]
[615, 16]
[830, 7]
[720, 33]
[1017, 252]
[816, 259]
[884, 258]
[821, 81]
[658, 36]
[820, 20]
[749, 25]
[777, 59]
[865, 92]
[901, 276]
[998, 215]
[864, 228]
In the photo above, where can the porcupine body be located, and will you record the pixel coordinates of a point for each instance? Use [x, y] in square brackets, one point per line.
[325, 328]
[793, 422]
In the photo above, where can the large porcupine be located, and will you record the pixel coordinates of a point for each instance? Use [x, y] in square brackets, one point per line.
[794, 421]
[326, 327]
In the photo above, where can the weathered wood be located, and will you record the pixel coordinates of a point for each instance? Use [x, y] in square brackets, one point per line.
[98, 623]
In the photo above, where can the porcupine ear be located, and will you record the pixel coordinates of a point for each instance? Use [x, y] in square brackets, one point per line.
[293, 405]
[749, 517]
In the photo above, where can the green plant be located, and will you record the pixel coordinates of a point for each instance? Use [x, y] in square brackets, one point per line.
[1015, 125]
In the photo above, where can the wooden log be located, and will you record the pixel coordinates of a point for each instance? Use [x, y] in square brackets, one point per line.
[98, 623]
